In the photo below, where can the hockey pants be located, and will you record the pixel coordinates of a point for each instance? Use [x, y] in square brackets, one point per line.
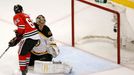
[24, 52]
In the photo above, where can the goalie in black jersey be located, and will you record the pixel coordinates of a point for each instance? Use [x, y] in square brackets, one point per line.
[47, 48]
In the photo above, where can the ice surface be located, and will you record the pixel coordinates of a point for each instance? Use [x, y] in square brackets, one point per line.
[57, 14]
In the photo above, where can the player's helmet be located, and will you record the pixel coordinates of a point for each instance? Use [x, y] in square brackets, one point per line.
[40, 19]
[18, 8]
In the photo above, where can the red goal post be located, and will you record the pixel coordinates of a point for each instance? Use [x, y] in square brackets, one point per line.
[103, 8]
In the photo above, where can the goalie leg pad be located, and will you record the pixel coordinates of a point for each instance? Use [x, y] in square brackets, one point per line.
[52, 67]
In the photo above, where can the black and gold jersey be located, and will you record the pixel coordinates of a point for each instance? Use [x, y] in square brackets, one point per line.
[46, 30]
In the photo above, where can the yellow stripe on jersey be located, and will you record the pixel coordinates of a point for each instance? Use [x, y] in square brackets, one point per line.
[38, 53]
[128, 3]
[46, 38]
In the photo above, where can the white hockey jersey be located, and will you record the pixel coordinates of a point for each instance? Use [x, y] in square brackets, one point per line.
[46, 45]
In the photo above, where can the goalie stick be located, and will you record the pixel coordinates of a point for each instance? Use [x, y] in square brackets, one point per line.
[4, 52]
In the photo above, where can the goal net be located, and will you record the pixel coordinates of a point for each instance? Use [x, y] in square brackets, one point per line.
[103, 30]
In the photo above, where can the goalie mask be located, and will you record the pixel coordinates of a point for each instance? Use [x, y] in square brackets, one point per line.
[40, 20]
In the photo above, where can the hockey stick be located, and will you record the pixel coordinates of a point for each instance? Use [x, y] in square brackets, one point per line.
[4, 52]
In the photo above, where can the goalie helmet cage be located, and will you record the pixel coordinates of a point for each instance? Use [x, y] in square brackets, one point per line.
[105, 9]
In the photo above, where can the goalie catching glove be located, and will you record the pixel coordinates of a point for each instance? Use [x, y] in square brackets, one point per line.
[53, 49]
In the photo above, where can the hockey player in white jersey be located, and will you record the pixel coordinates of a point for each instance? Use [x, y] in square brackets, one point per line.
[46, 48]
[45, 51]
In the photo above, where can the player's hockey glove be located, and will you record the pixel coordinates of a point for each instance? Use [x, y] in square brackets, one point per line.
[15, 40]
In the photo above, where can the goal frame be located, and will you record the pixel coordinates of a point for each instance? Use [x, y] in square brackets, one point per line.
[100, 7]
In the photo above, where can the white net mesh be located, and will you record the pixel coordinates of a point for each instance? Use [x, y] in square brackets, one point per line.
[94, 31]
